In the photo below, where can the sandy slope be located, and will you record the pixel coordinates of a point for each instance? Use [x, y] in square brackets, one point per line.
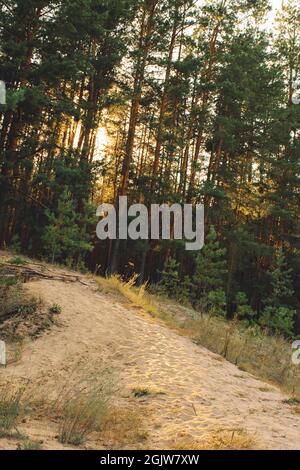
[194, 391]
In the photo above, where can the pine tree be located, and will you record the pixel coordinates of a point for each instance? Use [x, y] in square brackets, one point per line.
[210, 271]
[278, 314]
[64, 238]
[216, 302]
[196, 99]
[169, 282]
[244, 311]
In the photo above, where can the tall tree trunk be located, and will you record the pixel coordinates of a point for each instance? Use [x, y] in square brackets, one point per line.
[164, 101]
[147, 28]
[146, 31]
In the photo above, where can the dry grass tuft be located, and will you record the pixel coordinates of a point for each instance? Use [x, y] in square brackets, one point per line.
[138, 296]
[237, 439]
[140, 391]
[123, 427]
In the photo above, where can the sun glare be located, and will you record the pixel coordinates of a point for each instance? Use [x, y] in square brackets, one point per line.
[102, 141]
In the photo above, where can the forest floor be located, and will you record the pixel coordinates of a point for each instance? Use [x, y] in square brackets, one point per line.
[169, 393]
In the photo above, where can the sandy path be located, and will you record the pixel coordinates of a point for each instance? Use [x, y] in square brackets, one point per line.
[194, 391]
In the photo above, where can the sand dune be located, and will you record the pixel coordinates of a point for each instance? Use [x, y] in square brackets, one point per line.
[192, 392]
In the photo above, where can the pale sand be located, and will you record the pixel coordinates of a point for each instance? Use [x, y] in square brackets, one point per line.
[194, 392]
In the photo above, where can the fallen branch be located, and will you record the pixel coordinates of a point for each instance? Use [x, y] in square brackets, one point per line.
[28, 273]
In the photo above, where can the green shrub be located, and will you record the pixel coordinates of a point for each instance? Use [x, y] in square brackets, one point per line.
[210, 272]
[279, 320]
[18, 261]
[29, 445]
[55, 309]
[65, 238]
[244, 311]
[217, 302]
[170, 278]
[279, 314]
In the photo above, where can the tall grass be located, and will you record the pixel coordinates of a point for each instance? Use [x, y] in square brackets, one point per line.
[81, 415]
[252, 350]
[138, 296]
[10, 407]
[82, 406]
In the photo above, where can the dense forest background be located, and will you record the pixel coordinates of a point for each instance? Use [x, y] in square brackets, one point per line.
[162, 101]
